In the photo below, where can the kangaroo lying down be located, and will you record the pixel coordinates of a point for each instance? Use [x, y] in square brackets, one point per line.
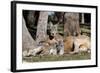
[77, 44]
[82, 43]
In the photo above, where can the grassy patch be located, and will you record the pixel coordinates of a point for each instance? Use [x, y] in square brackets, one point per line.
[85, 30]
[80, 56]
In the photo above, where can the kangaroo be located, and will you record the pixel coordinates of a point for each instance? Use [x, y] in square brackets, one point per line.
[77, 44]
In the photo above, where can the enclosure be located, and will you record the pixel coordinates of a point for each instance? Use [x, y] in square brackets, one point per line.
[44, 30]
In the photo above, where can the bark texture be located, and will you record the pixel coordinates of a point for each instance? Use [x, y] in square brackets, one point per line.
[71, 24]
[27, 40]
[42, 27]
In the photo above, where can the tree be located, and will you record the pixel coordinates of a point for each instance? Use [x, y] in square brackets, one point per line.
[42, 27]
[71, 24]
[83, 21]
[27, 40]
[31, 19]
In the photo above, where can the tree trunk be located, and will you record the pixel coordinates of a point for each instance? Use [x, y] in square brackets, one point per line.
[82, 18]
[27, 40]
[42, 27]
[71, 24]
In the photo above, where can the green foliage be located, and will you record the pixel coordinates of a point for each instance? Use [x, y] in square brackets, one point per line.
[85, 29]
